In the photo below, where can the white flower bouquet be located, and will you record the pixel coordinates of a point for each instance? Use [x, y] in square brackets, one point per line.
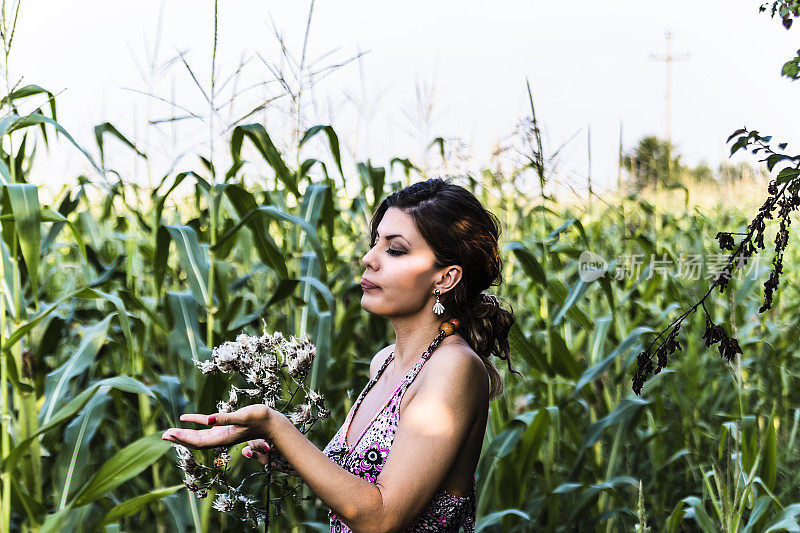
[267, 365]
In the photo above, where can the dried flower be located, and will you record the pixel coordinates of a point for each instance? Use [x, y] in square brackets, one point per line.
[224, 503]
[729, 348]
[714, 333]
[725, 240]
[266, 363]
[221, 460]
[314, 398]
[302, 414]
[187, 462]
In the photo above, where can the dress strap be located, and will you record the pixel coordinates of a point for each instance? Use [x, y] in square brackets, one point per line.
[398, 393]
[383, 366]
[408, 379]
[397, 396]
[412, 374]
[366, 389]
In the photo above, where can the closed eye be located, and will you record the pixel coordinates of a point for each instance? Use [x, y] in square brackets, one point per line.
[392, 251]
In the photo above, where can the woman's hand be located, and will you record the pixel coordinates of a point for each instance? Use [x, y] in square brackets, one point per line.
[248, 423]
[262, 452]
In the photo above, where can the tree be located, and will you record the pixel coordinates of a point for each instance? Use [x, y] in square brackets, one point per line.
[647, 163]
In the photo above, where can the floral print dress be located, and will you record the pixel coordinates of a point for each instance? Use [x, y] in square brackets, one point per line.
[445, 512]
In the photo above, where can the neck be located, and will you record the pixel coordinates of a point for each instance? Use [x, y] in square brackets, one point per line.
[413, 335]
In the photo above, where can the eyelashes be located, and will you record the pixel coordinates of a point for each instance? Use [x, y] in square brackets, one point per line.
[392, 251]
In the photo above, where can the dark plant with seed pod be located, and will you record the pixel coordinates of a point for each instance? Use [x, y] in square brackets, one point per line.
[783, 194]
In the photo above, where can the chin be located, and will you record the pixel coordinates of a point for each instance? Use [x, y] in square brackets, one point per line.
[370, 306]
[366, 306]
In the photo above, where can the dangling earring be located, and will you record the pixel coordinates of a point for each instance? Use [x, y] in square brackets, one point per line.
[438, 308]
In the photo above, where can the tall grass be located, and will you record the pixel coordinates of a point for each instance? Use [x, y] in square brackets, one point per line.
[110, 291]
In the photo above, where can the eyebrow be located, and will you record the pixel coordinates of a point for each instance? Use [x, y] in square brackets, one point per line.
[390, 237]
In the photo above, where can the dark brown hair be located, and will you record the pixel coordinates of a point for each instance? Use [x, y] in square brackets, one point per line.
[460, 231]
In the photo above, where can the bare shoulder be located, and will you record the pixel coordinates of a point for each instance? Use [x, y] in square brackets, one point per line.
[457, 361]
[378, 359]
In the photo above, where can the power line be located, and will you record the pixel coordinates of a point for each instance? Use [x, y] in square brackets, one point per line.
[668, 59]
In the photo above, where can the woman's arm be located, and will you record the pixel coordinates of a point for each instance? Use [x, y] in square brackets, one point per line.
[431, 432]
[258, 448]
[355, 500]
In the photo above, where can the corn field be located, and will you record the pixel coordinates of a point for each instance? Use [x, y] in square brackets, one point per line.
[110, 289]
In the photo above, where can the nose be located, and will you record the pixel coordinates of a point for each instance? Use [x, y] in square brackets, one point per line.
[367, 259]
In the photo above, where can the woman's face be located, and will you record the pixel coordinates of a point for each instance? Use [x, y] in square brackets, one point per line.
[400, 263]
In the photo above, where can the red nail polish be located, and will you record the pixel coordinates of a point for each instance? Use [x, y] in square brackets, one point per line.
[212, 420]
[248, 453]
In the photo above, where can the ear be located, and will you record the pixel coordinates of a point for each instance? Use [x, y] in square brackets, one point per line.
[449, 278]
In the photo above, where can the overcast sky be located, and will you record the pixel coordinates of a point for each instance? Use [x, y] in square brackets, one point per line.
[588, 64]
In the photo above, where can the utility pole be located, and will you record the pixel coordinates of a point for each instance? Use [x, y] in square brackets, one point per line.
[589, 152]
[668, 59]
[619, 158]
[619, 183]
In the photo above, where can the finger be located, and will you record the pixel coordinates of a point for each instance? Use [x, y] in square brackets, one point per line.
[261, 445]
[224, 419]
[258, 456]
[194, 417]
[250, 453]
[258, 445]
[246, 416]
[203, 438]
[172, 435]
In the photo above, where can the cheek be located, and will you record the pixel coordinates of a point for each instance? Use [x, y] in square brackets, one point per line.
[406, 278]
[408, 289]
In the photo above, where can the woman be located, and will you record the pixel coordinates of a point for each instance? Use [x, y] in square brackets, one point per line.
[434, 250]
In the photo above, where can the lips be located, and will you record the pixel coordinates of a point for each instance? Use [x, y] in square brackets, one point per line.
[366, 284]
